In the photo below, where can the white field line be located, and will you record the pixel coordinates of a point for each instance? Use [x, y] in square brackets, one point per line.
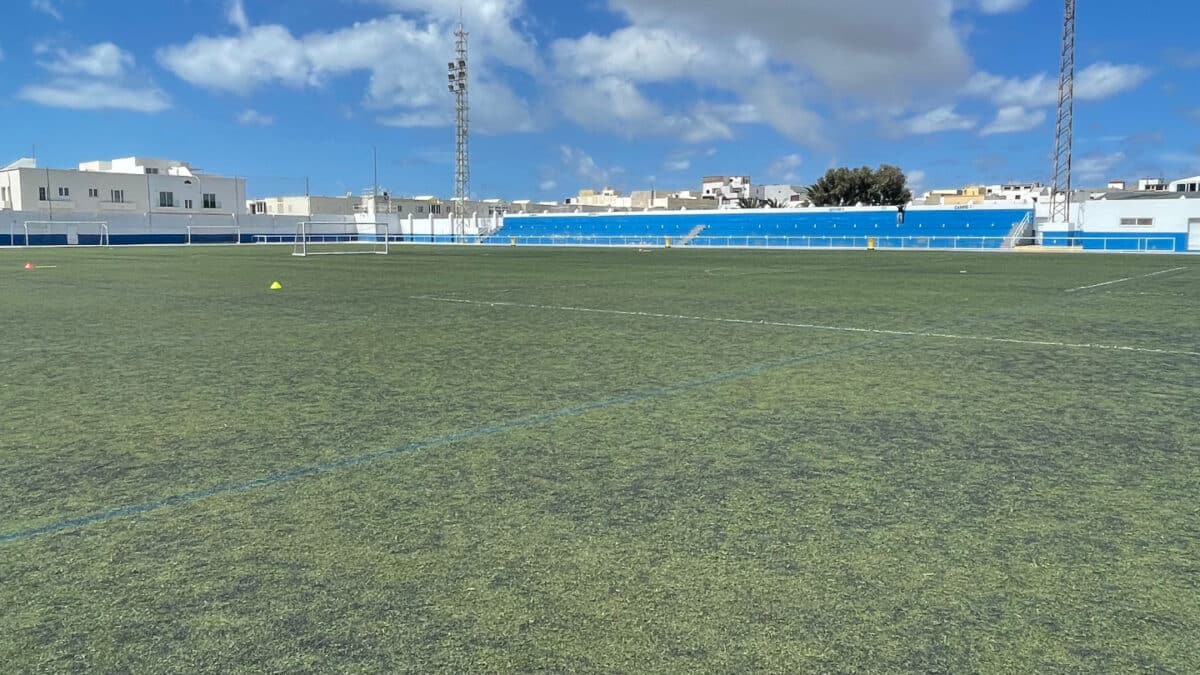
[812, 326]
[1121, 281]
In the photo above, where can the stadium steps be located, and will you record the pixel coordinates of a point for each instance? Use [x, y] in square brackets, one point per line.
[1020, 231]
[692, 234]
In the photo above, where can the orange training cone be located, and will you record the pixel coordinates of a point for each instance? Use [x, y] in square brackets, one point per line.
[28, 266]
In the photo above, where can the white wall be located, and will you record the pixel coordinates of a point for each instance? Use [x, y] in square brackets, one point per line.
[1103, 216]
[141, 192]
[159, 223]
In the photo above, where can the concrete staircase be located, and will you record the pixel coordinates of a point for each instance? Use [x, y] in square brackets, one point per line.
[1021, 233]
[695, 232]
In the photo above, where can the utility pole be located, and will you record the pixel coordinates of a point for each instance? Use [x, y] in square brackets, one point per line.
[1060, 194]
[462, 164]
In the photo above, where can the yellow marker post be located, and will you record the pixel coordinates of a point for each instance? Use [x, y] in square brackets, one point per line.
[668, 242]
[512, 241]
[871, 244]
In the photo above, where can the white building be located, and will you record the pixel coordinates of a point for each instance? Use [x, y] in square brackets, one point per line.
[1185, 185]
[727, 190]
[129, 185]
[1016, 192]
[606, 198]
[786, 195]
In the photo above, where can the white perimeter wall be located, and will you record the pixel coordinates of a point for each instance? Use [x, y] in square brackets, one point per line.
[1103, 216]
[159, 223]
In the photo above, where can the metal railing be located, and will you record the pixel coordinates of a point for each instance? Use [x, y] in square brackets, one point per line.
[1146, 244]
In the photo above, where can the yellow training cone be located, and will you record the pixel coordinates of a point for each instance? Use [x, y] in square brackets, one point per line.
[276, 286]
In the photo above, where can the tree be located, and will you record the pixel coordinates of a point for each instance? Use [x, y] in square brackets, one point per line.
[886, 186]
[756, 203]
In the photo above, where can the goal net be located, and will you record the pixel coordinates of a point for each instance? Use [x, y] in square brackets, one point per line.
[214, 234]
[65, 233]
[340, 238]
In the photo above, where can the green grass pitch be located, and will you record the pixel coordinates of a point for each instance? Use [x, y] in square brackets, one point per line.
[747, 461]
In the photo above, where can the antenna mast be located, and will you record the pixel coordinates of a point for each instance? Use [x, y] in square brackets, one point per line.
[1060, 196]
[462, 164]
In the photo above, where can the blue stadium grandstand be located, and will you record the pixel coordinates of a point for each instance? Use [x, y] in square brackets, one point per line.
[914, 228]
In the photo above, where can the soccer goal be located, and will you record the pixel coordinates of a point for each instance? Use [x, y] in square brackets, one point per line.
[214, 234]
[65, 232]
[339, 238]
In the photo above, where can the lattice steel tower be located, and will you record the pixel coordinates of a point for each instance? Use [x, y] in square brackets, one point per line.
[462, 134]
[1060, 196]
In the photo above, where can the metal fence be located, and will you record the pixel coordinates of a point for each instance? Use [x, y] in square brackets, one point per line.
[1144, 244]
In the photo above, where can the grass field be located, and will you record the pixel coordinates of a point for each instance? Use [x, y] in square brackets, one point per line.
[438, 461]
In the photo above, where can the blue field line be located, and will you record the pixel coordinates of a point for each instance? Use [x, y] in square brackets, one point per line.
[317, 469]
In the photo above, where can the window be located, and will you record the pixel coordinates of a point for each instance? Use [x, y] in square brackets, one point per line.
[1137, 222]
[93, 193]
[166, 200]
[64, 192]
[187, 203]
[151, 172]
[435, 209]
[118, 196]
[210, 200]
[41, 194]
[420, 209]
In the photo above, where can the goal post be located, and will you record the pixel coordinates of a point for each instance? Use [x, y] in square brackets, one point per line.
[315, 237]
[65, 233]
[214, 234]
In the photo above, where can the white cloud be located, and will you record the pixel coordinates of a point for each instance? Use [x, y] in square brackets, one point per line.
[254, 118]
[1095, 82]
[47, 7]
[82, 95]
[235, 14]
[1013, 119]
[775, 59]
[938, 120]
[1097, 166]
[1102, 80]
[785, 168]
[682, 164]
[240, 64]
[616, 105]
[104, 60]
[916, 179]
[99, 77]
[582, 165]
[1001, 6]
[1194, 114]
[1038, 90]
[548, 185]
[853, 46]
[404, 57]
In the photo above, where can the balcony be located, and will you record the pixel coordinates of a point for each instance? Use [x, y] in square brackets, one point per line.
[118, 206]
[59, 204]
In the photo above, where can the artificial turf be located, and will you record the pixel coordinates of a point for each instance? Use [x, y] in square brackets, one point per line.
[354, 474]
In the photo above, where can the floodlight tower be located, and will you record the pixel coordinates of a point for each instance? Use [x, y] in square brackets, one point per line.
[462, 133]
[1060, 196]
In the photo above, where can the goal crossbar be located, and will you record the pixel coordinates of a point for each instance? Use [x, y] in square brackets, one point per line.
[318, 237]
[234, 231]
[99, 228]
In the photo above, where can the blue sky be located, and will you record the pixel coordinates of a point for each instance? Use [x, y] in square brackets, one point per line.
[630, 93]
